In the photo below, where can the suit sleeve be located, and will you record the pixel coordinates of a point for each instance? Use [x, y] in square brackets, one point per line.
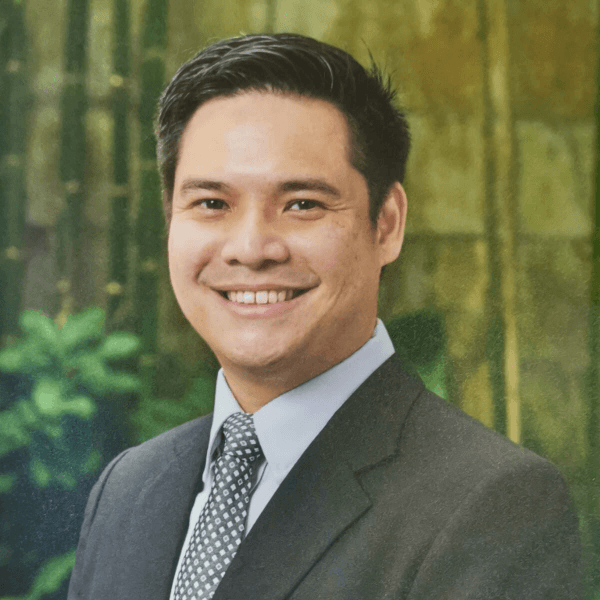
[80, 574]
[514, 537]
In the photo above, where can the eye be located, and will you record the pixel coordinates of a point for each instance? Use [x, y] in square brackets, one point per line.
[211, 204]
[302, 205]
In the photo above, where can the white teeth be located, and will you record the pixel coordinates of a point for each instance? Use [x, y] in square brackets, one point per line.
[261, 297]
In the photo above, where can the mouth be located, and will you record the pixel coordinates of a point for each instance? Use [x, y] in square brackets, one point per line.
[261, 296]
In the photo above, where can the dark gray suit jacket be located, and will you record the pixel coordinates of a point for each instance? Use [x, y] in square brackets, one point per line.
[401, 496]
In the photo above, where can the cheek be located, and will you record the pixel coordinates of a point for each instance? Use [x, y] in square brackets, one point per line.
[338, 254]
[324, 250]
[347, 246]
[189, 249]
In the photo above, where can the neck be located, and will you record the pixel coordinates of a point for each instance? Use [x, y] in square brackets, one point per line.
[255, 387]
[252, 393]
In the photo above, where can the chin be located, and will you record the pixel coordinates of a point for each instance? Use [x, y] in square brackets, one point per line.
[255, 361]
[255, 354]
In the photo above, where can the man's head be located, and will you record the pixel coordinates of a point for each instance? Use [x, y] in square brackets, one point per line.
[297, 65]
[274, 252]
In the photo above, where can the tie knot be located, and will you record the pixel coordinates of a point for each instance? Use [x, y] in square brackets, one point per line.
[241, 440]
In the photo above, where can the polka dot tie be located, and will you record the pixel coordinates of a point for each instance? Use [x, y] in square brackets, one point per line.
[222, 523]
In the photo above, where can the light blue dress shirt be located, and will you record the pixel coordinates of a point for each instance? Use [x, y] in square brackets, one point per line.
[287, 425]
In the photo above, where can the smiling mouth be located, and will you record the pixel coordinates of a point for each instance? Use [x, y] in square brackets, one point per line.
[261, 296]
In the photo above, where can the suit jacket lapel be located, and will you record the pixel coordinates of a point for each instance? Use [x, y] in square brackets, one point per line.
[159, 532]
[322, 495]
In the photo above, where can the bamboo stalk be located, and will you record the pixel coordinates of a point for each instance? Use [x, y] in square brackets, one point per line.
[119, 228]
[150, 228]
[501, 217]
[593, 374]
[72, 151]
[5, 11]
[271, 20]
[13, 193]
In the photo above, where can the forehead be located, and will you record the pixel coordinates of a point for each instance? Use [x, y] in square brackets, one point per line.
[265, 131]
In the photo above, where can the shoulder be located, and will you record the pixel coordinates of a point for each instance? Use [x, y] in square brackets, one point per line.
[428, 426]
[442, 448]
[435, 428]
[135, 466]
[487, 506]
[172, 442]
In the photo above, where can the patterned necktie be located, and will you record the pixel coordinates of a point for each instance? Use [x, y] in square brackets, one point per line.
[222, 523]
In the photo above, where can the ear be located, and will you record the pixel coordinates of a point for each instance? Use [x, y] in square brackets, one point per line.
[390, 224]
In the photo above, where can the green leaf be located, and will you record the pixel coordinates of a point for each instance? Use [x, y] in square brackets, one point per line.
[39, 326]
[52, 575]
[66, 480]
[40, 473]
[81, 406]
[28, 415]
[92, 372]
[83, 327]
[12, 360]
[123, 383]
[29, 356]
[7, 480]
[434, 376]
[92, 463]
[119, 345]
[53, 431]
[47, 397]
[13, 433]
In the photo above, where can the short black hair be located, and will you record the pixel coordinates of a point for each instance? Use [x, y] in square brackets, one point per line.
[297, 65]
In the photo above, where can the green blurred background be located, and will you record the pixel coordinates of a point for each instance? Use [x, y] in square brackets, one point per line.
[494, 299]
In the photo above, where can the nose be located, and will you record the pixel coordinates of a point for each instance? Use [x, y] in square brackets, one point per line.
[254, 243]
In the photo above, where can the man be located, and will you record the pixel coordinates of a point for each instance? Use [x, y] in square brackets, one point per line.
[325, 471]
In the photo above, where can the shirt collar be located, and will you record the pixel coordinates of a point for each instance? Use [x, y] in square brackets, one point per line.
[288, 424]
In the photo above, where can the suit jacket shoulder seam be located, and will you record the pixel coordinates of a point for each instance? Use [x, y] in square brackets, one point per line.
[107, 474]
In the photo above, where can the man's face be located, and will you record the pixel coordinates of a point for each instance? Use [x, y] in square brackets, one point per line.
[272, 256]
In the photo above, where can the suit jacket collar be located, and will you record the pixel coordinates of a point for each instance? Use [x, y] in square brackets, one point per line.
[322, 495]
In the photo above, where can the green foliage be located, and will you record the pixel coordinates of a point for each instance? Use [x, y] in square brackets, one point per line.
[155, 415]
[56, 376]
[50, 577]
[420, 341]
[53, 381]
[54, 572]
[6, 483]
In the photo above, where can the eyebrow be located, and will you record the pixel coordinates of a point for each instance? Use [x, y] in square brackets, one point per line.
[294, 185]
[310, 185]
[192, 185]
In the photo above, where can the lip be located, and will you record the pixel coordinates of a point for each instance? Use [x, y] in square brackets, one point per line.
[247, 287]
[260, 310]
